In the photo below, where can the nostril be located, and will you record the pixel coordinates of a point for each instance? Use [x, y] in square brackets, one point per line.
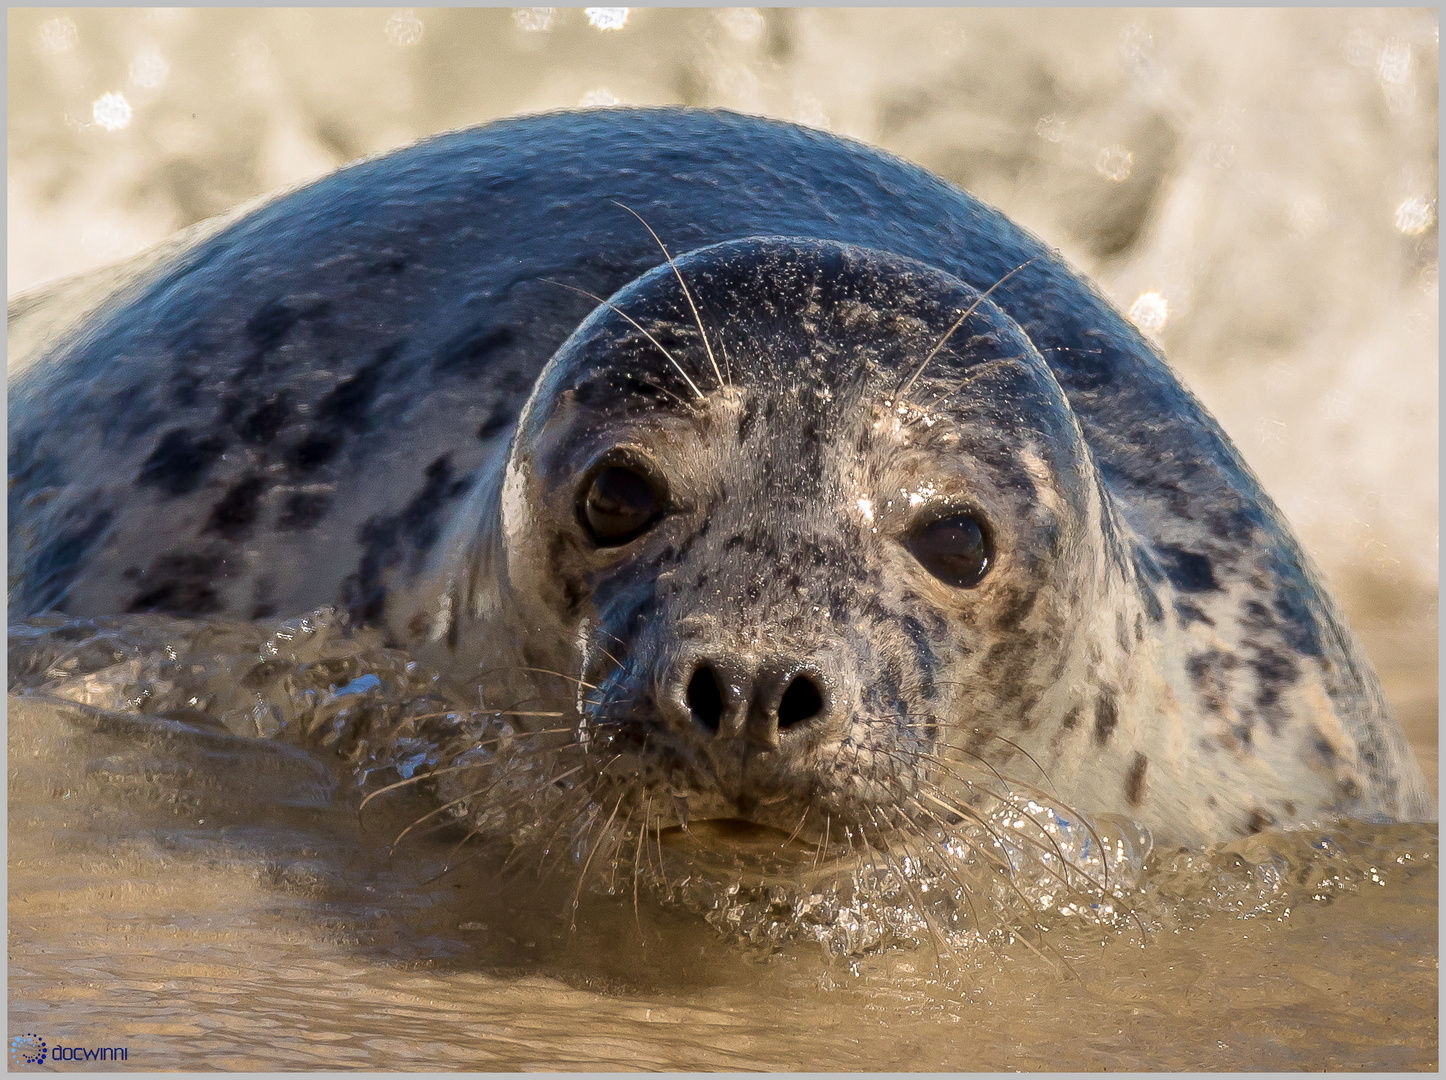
[800, 702]
[705, 699]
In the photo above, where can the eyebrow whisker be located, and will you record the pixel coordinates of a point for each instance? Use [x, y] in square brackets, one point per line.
[903, 388]
[686, 293]
[613, 307]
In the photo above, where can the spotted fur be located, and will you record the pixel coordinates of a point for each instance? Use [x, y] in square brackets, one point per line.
[383, 391]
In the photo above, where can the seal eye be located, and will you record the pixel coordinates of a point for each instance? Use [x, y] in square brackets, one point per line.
[620, 503]
[956, 550]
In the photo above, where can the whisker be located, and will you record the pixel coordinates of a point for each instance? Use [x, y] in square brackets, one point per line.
[914, 897]
[903, 389]
[978, 371]
[560, 675]
[818, 854]
[678, 274]
[1010, 785]
[638, 869]
[692, 385]
[582, 877]
[797, 828]
[416, 779]
[618, 847]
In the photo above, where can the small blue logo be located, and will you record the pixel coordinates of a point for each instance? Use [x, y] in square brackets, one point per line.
[27, 1050]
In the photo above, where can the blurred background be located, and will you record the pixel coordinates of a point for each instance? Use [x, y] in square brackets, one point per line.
[1257, 189]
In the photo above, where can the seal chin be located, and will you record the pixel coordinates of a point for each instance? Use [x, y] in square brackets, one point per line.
[738, 847]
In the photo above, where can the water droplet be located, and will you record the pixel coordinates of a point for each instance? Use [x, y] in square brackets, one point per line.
[404, 28]
[1050, 128]
[57, 36]
[1415, 215]
[742, 24]
[1150, 311]
[149, 70]
[1114, 163]
[535, 20]
[607, 18]
[112, 111]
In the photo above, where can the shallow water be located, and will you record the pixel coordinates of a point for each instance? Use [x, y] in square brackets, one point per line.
[208, 898]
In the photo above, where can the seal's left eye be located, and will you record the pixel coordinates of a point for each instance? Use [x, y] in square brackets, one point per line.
[619, 505]
[956, 550]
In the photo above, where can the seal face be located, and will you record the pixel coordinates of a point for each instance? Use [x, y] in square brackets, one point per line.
[860, 505]
[798, 614]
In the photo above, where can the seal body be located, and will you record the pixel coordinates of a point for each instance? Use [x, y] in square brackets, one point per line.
[866, 494]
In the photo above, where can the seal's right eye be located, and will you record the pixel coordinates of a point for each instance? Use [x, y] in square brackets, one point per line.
[956, 549]
[619, 505]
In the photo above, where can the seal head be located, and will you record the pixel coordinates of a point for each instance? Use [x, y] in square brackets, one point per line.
[805, 554]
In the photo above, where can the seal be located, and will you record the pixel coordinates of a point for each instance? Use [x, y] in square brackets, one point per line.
[861, 503]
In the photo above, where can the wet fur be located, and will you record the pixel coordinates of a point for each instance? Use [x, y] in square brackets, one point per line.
[320, 404]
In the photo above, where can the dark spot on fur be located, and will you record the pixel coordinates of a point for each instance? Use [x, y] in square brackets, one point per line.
[235, 512]
[263, 610]
[185, 387]
[1208, 671]
[262, 425]
[382, 540]
[1274, 672]
[350, 401]
[1015, 605]
[313, 452]
[978, 739]
[1135, 780]
[387, 263]
[1188, 613]
[468, 353]
[271, 323]
[1071, 718]
[1107, 715]
[1188, 571]
[497, 420]
[179, 464]
[269, 327]
[420, 520]
[1258, 821]
[185, 584]
[748, 419]
[364, 591]
[1298, 623]
[303, 510]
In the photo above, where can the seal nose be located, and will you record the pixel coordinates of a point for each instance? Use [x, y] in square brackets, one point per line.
[729, 699]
